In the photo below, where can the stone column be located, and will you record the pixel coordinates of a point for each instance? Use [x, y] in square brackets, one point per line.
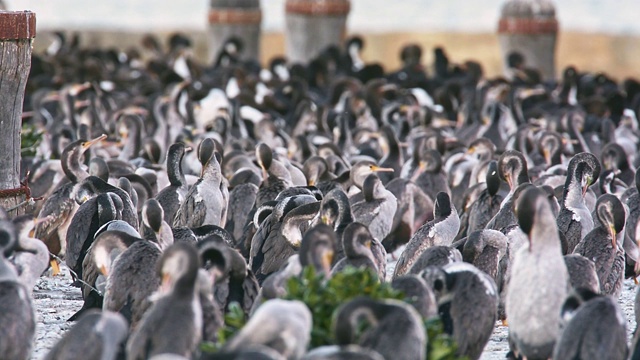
[235, 18]
[312, 25]
[530, 28]
[17, 29]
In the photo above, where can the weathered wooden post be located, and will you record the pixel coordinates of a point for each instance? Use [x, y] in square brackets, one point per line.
[530, 28]
[17, 28]
[235, 18]
[312, 25]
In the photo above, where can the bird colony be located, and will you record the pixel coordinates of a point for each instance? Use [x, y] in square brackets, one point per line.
[215, 211]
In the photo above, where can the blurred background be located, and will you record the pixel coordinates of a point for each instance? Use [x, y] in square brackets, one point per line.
[595, 35]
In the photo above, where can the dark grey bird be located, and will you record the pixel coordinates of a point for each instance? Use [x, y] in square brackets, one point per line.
[241, 201]
[233, 281]
[395, 328]
[438, 256]
[132, 280]
[467, 305]
[582, 273]
[377, 209]
[488, 203]
[275, 176]
[318, 248]
[417, 293]
[487, 250]
[279, 236]
[440, 231]
[173, 324]
[539, 280]
[204, 204]
[602, 246]
[60, 206]
[596, 329]
[512, 168]
[96, 335]
[154, 227]
[429, 176]
[414, 209]
[574, 220]
[89, 217]
[614, 158]
[356, 243]
[97, 265]
[282, 325]
[17, 314]
[335, 211]
[172, 196]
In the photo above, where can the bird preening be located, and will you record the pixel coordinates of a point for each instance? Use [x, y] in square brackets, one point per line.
[203, 209]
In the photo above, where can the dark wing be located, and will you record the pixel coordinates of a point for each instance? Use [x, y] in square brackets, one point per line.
[81, 223]
[170, 202]
[570, 228]
[241, 201]
[59, 206]
[192, 211]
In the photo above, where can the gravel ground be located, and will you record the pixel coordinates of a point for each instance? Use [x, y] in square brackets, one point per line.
[56, 301]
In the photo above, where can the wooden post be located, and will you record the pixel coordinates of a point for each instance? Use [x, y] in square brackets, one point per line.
[235, 18]
[530, 28]
[17, 29]
[312, 25]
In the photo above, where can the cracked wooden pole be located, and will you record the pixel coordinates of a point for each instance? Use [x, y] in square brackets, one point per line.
[17, 29]
[312, 25]
[529, 27]
[235, 18]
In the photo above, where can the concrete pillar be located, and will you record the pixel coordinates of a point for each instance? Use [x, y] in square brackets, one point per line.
[530, 28]
[235, 18]
[17, 29]
[312, 25]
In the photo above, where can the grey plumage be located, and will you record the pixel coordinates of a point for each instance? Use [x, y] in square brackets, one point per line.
[438, 256]
[440, 231]
[173, 324]
[582, 272]
[467, 305]
[282, 325]
[172, 196]
[204, 203]
[96, 335]
[377, 209]
[574, 220]
[396, 330]
[241, 201]
[417, 293]
[17, 314]
[533, 313]
[597, 330]
[132, 280]
[602, 247]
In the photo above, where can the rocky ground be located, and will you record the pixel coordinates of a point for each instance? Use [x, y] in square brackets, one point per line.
[56, 301]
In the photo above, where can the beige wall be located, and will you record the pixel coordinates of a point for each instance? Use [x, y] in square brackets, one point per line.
[618, 56]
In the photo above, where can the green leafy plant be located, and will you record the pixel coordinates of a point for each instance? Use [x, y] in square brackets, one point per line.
[30, 138]
[441, 345]
[324, 296]
[234, 320]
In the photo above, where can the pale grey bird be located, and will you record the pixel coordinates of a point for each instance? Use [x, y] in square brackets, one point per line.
[96, 335]
[440, 231]
[283, 325]
[539, 280]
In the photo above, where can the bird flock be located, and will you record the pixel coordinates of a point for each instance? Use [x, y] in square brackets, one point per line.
[174, 190]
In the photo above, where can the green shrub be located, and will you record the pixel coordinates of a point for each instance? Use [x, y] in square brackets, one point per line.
[324, 296]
